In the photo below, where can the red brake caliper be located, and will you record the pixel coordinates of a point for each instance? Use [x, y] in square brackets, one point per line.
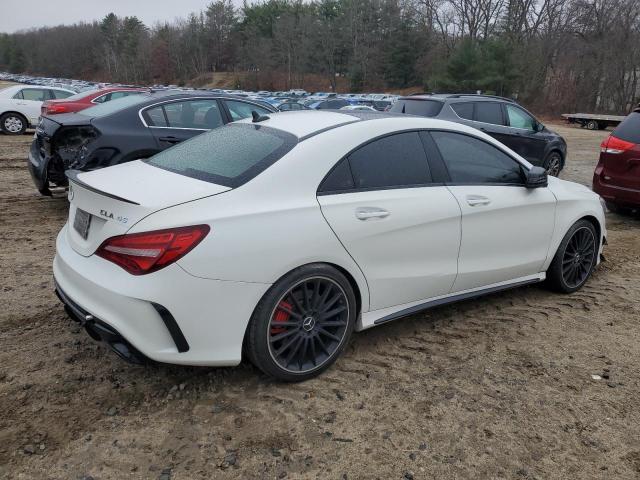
[280, 316]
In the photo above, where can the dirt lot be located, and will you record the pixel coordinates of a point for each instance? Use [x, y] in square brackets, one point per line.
[494, 388]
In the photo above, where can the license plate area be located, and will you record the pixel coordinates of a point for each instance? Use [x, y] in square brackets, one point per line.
[82, 222]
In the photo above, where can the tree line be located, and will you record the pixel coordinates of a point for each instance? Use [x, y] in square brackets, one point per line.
[552, 55]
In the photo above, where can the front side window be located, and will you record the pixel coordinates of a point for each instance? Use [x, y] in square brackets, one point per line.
[230, 156]
[394, 161]
[518, 118]
[240, 110]
[489, 112]
[473, 161]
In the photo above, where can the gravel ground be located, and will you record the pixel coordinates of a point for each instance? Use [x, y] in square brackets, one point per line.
[499, 387]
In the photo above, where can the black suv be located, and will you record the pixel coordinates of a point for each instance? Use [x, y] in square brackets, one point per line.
[499, 117]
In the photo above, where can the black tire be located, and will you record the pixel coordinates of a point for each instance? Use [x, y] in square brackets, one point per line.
[289, 323]
[13, 123]
[553, 163]
[575, 258]
[592, 125]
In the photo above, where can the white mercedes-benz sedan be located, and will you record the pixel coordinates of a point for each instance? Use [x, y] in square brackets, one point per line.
[278, 237]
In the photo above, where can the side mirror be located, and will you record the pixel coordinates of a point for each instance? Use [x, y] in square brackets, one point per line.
[536, 178]
[538, 127]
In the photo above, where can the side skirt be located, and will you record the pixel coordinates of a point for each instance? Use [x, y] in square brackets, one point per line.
[467, 295]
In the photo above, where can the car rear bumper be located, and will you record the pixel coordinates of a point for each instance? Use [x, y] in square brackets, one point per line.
[148, 315]
[623, 196]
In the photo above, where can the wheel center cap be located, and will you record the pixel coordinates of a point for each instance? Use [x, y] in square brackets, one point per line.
[308, 323]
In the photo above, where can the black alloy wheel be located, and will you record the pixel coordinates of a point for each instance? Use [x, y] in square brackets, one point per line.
[308, 324]
[578, 257]
[575, 258]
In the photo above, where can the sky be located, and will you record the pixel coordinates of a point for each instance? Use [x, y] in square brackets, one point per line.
[24, 14]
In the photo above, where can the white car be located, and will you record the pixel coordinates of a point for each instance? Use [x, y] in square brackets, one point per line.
[20, 105]
[282, 235]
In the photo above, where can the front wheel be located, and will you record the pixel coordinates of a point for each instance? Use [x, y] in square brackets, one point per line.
[553, 164]
[13, 124]
[302, 324]
[575, 259]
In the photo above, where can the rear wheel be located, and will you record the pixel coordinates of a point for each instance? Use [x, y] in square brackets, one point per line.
[553, 164]
[302, 324]
[575, 259]
[13, 123]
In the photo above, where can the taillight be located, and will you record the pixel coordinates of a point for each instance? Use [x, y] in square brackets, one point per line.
[615, 145]
[56, 108]
[141, 253]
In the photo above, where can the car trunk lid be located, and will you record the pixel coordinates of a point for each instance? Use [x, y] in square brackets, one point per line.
[108, 202]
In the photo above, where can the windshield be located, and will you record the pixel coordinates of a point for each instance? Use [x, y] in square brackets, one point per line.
[107, 108]
[231, 155]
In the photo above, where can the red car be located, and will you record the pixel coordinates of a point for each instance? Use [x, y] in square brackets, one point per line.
[87, 99]
[617, 175]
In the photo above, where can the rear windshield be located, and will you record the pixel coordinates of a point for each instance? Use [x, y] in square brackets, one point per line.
[629, 129]
[107, 108]
[82, 94]
[231, 155]
[415, 106]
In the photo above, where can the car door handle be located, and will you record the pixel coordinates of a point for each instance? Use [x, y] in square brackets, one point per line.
[170, 139]
[366, 213]
[477, 200]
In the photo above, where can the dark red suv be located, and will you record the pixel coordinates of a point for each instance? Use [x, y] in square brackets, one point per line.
[617, 175]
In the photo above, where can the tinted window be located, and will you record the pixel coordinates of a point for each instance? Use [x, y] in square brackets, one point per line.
[489, 112]
[424, 108]
[629, 129]
[229, 156]
[396, 160]
[240, 110]
[470, 160]
[60, 94]
[155, 117]
[107, 108]
[518, 118]
[197, 114]
[339, 178]
[463, 110]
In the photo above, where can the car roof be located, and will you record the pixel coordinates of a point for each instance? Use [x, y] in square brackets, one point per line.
[457, 97]
[308, 123]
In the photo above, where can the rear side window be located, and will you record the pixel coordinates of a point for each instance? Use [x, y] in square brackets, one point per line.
[489, 112]
[390, 162]
[35, 94]
[629, 129]
[463, 110]
[230, 156]
[473, 161]
[424, 108]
